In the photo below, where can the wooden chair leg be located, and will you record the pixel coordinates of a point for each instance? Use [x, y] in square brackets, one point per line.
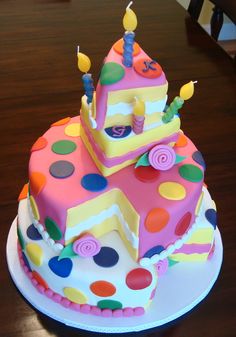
[216, 22]
[195, 8]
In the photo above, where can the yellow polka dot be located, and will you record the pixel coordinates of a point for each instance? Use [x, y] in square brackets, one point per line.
[35, 253]
[199, 203]
[75, 295]
[73, 130]
[172, 191]
[34, 208]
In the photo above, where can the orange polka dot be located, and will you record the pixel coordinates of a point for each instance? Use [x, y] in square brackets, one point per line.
[118, 47]
[40, 144]
[39, 279]
[61, 122]
[37, 182]
[182, 141]
[144, 70]
[24, 192]
[103, 288]
[156, 220]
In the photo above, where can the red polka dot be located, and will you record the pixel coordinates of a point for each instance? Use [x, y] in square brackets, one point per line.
[24, 192]
[118, 47]
[103, 288]
[153, 71]
[138, 278]
[37, 182]
[182, 141]
[183, 224]
[156, 220]
[61, 122]
[39, 279]
[40, 144]
[146, 174]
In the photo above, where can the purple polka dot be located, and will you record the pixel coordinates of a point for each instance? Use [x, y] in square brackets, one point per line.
[153, 251]
[61, 169]
[33, 233]
[198, 158]
[107, 257]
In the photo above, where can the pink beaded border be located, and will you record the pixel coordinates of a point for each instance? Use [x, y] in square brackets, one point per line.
[83, 308]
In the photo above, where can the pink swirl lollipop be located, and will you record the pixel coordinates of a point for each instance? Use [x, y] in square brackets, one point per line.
[86, 246]
[162, 267]
[162, 157]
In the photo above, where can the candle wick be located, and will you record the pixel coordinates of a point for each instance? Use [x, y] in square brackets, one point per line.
[129, 5]
[195, 82]
[77, 49]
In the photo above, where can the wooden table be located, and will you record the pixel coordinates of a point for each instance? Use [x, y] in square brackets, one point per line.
[40, 84]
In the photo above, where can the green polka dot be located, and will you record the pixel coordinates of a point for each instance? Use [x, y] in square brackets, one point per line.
[20, 238]
[53, 229]
[191, 173]
[109, 304]
[63, 147]
[111, 73]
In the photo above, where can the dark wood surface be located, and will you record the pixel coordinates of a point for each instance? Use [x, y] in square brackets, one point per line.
[40, 84]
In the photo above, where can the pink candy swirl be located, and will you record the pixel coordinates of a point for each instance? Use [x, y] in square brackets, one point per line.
[162, 267]
[86, 246]
[162, 157]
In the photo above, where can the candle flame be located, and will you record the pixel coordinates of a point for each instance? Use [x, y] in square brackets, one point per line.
[130, 20]
[187, 90]
[139, 107]
[84, 62]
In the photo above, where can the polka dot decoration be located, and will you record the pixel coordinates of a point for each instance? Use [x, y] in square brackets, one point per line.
[191, 173]
[61, 268]
[94, 182]
[138, 279]
[75, 295]
[61, 169]
[183, 224]
[73, 130]
[63, 147]
[119, 45]
[33, 233]
[26, 262]
[109, 304]
[34, 208]
[147, 68]
[20, 238]
[61, 122]
[37, 182]
[199, 203]
[107, 257]
[198, 158]
[24, 192]
[111, 72]
[182, 141]
[103, 288]
[156, 220]
[40, 144]
[211, 216]
[35, 253]
[39, 279]
[153, 251]
[172, 191]
[53, 229]
[146, 174]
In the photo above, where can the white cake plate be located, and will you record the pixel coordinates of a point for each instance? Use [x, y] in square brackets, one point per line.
[181, 289]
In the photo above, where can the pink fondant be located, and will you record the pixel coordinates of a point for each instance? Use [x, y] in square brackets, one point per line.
[75, 306]
[153, 293]
[107, 313]
[86, 246]
[110, 162]
[131, 80]
[40, 288]
[85, 308]
[139, 311]
[162, 267]
[59, 195]
[117, 313]
[65, 302]
[49, 293]
[128, 312]
[194, 248]
[96, 311]
[56, 298]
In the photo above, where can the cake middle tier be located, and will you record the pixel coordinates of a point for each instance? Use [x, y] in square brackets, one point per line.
[150, 209]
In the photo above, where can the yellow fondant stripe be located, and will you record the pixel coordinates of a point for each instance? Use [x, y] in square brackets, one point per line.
[199, 203]
[202, 236]
[189, 257]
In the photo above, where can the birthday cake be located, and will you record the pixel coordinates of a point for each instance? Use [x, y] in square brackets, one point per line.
[116, 196]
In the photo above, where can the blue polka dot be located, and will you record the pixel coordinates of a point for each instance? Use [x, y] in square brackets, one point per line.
[33, 233]
[211, 216]
[62, 267]
[153, 251]
[198, 158]
[26, 261]
[94, 182]
[107, 257]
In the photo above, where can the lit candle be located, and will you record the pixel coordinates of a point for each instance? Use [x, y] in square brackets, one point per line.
[138, 116]
[84, 65]
[186, 92]
[129, 23]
